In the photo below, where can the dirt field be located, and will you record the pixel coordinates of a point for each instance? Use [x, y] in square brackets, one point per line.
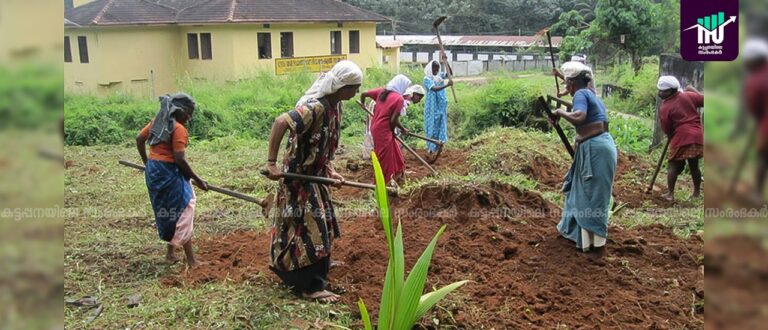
[503, 239]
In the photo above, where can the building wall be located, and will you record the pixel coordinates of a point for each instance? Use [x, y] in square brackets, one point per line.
[309, 39]
[140, 61]
[393, 57]
[26, 32]
[221, 67]
[150, 61]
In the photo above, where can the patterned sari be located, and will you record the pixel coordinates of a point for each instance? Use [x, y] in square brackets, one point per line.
[304, 223]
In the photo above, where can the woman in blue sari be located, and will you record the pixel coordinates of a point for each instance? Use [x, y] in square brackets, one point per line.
[436, 105]
[589, 183]
[168, 173]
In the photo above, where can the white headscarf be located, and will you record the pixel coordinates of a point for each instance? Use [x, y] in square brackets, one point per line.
[342, 74]
[668, 82]
[399, 84]
[428, 72]
[579, 58]
[755, 48]
[415, 89]
[573, 69]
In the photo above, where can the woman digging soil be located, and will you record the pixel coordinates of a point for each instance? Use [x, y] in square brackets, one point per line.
[304, 224]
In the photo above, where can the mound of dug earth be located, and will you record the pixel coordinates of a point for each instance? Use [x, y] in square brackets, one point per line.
[523, 274]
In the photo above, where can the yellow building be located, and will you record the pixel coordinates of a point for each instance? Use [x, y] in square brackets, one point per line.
[389, 51]
[144, 47]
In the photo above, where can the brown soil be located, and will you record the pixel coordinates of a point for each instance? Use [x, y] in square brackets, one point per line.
[359, 170]
[737, 279]
[523, 274]
[551, 174]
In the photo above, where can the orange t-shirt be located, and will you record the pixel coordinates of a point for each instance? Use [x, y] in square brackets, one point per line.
[163, 151]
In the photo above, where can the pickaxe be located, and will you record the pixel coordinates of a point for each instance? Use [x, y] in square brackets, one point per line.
[407, 147]
[436, 25]
[266, 203]
[658, 168]
[329, 181]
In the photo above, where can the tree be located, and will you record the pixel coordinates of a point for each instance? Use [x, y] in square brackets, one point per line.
[634, 26]
[569, 24]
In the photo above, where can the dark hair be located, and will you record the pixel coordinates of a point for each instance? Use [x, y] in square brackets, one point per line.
[582, 79]
[383, 96]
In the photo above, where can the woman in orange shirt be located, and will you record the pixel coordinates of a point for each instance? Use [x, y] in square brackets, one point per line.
[168, 173]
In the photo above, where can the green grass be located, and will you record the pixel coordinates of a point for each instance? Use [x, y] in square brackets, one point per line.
[114, 257]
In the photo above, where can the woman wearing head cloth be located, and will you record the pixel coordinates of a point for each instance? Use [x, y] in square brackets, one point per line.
[577, 61]
[168, 174]
[681, 122]
[304, 223]
[589, 183]
[436, 107]
[379, 130]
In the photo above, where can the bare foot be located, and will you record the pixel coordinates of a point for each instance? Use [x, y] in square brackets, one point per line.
[669, 197]
[335, 264]
[324, 297]
[597, 254]
[171, 259]
[192, 264]
[696, 194]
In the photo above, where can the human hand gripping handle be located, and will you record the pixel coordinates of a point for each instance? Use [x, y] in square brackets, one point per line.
[272, 172]
[200, 183]
[336, 176]
[554, 117]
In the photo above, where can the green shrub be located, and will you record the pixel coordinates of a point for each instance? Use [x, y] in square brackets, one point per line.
[30, 96]
[504, 102]
[642, 101]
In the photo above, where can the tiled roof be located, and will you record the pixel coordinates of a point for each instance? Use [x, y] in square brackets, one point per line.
[139, 12]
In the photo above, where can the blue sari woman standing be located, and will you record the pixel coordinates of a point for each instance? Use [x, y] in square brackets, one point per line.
[436, 105]
[168, 174]
[589, 183]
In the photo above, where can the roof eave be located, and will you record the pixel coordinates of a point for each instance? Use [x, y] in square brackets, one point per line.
[190, 23]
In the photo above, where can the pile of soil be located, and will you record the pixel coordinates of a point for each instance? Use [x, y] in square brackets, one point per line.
[359, 170]
[737, 279]
[523, 274]
[551, 174]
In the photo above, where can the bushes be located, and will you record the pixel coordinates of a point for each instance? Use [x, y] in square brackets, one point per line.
[245, 108]
[642, 101]
[504, 102]
[30, 96]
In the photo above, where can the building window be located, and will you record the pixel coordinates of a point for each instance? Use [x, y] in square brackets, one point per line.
[206, 52]
[192, 46]
[286, 44]
[335, 42]
[354, 42]
[82, 44]
[265, 45]
[67, 50]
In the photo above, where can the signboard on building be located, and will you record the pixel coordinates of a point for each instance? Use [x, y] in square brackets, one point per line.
[308, 63]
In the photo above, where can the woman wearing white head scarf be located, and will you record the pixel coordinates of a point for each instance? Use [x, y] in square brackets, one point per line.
[577, 64]
[304, 224]
[436, 107]
[681, 122]
[588, 185]
[399, 84]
